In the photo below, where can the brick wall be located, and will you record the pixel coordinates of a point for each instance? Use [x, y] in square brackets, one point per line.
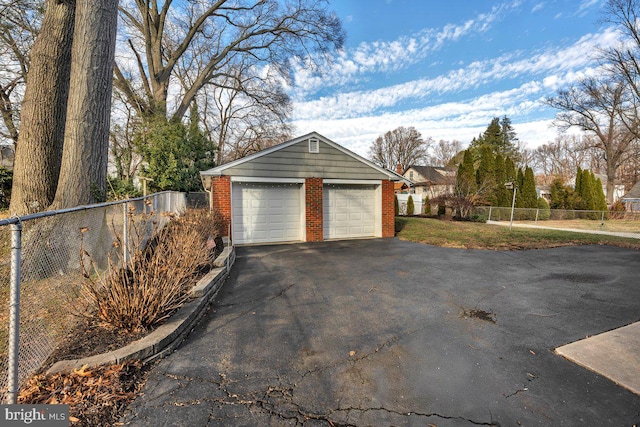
[388, 212]
[221, 196]
[313, 209]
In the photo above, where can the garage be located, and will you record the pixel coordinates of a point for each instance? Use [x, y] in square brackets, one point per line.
[307, 189]
[349, 211]
[266, 212]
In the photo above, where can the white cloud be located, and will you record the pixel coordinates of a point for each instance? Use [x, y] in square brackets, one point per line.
[567, 64]
[390, 56]
[537, 7]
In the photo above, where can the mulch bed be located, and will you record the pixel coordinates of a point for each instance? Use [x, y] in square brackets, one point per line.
[89, 337]
[96, 396]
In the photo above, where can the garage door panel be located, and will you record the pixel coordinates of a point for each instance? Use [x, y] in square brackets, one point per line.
[264, 213]
[349, 211]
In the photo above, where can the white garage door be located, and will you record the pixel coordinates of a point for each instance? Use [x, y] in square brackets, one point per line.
[349, 211]
[265, 213]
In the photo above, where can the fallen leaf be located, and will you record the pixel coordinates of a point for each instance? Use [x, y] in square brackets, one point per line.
[352, 353]
[74, 419]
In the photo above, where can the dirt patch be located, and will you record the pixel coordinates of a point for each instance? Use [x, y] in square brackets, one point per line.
[487, 316]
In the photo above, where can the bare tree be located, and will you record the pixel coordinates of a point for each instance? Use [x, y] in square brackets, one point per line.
[19, 23]
[125, 125]
[214, 37]
[444, 151]
[562, 157]
[44, 109]
[401, 147]
[244, 111]
[600, 108]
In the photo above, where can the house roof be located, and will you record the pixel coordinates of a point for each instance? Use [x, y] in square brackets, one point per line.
[634, 193]
[220, 170]
[435, 175]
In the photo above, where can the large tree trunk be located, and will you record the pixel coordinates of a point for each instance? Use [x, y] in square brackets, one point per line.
[39, 148]
[86, 140]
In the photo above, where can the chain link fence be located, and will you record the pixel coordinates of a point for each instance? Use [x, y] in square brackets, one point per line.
[624, 224]
[51, 270]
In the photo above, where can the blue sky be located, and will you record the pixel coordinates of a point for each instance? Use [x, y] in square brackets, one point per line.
[448, 67]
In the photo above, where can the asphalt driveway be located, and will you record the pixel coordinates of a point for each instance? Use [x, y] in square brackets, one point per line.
[390, 333]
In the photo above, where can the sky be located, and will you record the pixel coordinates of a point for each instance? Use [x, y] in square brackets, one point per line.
[448, 67]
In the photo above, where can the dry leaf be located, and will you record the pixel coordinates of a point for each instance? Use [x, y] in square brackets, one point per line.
[352, 353]
[82, 372]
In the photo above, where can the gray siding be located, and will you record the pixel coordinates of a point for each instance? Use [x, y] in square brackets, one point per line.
[295, 161]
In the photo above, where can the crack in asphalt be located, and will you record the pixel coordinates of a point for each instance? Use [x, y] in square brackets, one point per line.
[279, 400]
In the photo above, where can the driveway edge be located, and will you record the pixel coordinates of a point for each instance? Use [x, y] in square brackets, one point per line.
[168, 336]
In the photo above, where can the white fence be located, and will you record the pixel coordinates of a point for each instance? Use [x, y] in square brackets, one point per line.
[418, 203]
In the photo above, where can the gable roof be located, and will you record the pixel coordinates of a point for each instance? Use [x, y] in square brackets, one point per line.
[435, 175]
[634, 193]
[227, 167]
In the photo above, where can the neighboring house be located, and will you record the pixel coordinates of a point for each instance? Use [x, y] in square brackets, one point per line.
[431, 181]
[401, 187]
[544, 191]
[307, 189]
[631, 200]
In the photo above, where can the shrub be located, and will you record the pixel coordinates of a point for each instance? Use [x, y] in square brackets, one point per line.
[617, 210]
[410, 206]
[158, 277]
[426, 206]
[396, 205]
[544, 212]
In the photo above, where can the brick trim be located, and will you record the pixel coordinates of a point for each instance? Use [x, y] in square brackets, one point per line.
[388, 211]
[221, 197]
[313, 209]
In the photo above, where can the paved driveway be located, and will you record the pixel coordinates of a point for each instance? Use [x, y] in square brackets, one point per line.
[390, 333]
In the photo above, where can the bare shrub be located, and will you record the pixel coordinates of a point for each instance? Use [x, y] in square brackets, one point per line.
[158, 276]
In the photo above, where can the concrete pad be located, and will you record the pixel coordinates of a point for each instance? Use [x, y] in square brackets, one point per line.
[614, 355]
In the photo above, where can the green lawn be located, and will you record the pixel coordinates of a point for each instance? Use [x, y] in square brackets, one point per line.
[475, 235]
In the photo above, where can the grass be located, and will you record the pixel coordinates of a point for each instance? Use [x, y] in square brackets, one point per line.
[621, 225]
[475, 235]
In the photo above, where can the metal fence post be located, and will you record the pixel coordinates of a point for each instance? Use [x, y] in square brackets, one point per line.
[125, 234]
[14, 313]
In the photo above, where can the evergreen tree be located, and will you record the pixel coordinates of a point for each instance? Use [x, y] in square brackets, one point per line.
[508, 137]
[558, 194]
[500, 194]
[499, 136]
[601, 199]
[396, 205]
[466, 178]
[578, 183]
[519, 183]
[493, 135]
[485, 177]
[410, 206]
[510, 169]
[529, 194]
[587, 191]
